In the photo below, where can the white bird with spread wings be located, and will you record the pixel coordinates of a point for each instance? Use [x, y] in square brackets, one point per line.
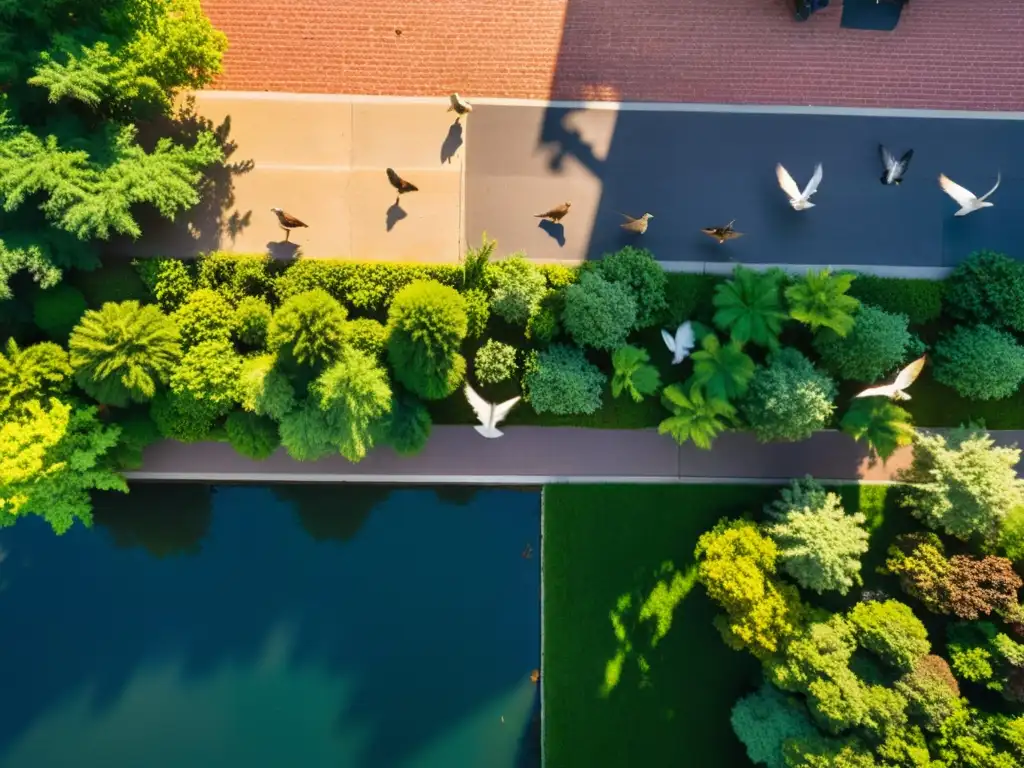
[799, 200]
[490, 415]
[904, 379]
[680, 344]
[967, 200]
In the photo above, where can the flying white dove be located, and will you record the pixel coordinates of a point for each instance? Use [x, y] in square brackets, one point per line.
[680, 344]
[490, 415]
[799, 200]
[904, 379]
[967, 200]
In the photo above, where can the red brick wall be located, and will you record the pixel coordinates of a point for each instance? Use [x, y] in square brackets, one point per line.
[966, 54]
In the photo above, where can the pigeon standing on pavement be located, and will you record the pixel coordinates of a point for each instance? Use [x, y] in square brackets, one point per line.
[799, 200]
[967, 200]
[400, 184]
[904, 379]
[287, 222]
[721, 234]
[894, 169]
[459, 106]
[556, 214]
[637, 226]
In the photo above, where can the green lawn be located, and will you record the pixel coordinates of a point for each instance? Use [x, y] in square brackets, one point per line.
[610, 551]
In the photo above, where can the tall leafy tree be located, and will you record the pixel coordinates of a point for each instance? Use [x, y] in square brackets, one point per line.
[819, 299]
[765, 720]
[51, 455]
[634, 373]
[695, 416]
[77, 76]
[880, 423]
[123, 352]
[31, 373]
[749, 307]
[890, 630]
[723, 370]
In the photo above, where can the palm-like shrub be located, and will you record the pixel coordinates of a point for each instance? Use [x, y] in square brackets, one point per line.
[980, 362]
[495, 362]
[252, 319]
[518, 287]
[560, 380]
[205, 316]
[255, 437]
[636, 270]
[694, 416]
[426, 327]
[878, 343]
[30, 374]
[476, 262]
[819, 299]
[750, 308]
[789, 399]
[988, 288]
[633, 373]
[308, 328]
[122, 353]
[723, 370]
[880, 423]
[597, 313]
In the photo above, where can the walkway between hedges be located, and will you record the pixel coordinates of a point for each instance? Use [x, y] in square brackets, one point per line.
[536, 455]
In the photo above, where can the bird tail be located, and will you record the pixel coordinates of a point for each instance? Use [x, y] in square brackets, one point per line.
[491, 432]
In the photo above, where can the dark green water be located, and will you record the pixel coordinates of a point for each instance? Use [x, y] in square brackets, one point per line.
[314, 627]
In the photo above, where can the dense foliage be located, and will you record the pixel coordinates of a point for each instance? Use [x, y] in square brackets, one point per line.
[980, 362]
[788, 399]
[820, 300]
[877, 344]
[518, 287]
[880, 423]
[749, 307]
[561, 380]
[988, 288]
[634, 374]
[495, 362]
[598, 313]
[636, 270]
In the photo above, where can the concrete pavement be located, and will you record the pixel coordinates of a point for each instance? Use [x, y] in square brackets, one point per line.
[322, 158]
[537, 455]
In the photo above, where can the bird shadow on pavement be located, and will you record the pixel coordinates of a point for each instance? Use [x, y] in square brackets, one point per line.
[452, 142]
[282, 250]
[207, 226]
[555, 231]
[394, 215]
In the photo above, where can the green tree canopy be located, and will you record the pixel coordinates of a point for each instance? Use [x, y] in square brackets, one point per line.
[598, 313]
[765, 720]
[789, 399]
[876, 346]
[123, 352]
[890, 630]
[76, 77]
[31, 373]
[308, 328]
[638, 271]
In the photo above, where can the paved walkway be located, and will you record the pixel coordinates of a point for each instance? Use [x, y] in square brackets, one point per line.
[536, 455]
[943, 54]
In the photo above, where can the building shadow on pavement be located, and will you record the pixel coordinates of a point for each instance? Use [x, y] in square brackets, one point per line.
[207, 226]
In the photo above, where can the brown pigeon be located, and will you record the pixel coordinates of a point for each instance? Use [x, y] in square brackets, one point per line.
[556, 214]
[721, 234]
[637, 226]
[287, 222]
[459, 105]
[399, 183]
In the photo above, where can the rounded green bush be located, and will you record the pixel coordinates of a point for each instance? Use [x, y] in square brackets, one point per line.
[495, 362]
[252, 318]
[644, 278]
[169, 280]
[427, 324]
[263, 389]
[478, 312]
[256, 437]
[597, 313]
[309, 327]
[544, 326]
[562, 381]
[58, 310]
[518, 287]
[205, 316]
[980, 362]
[789, 399]
[876, 346]
[408, 425]
[987, 287]
[367, 335]
[236, 275]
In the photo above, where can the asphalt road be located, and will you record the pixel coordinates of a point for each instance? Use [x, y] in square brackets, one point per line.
[699, 169]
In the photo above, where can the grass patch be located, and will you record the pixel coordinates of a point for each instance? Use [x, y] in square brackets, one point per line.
[634, 671]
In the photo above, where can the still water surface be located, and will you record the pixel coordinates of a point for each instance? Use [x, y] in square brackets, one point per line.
[247, 627]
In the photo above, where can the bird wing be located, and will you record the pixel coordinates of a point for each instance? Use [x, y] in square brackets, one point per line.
[501, 410]
[684, 337]
[290, 221]
[909, 375]
[670, 342]
[999, 178]
[888, 161]
[786, 182]
[963, 196]
[812, 185]
[884, 391]
[904, 163]
[480, 407]
[394, 178]
[715, 232]
[629, 219]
